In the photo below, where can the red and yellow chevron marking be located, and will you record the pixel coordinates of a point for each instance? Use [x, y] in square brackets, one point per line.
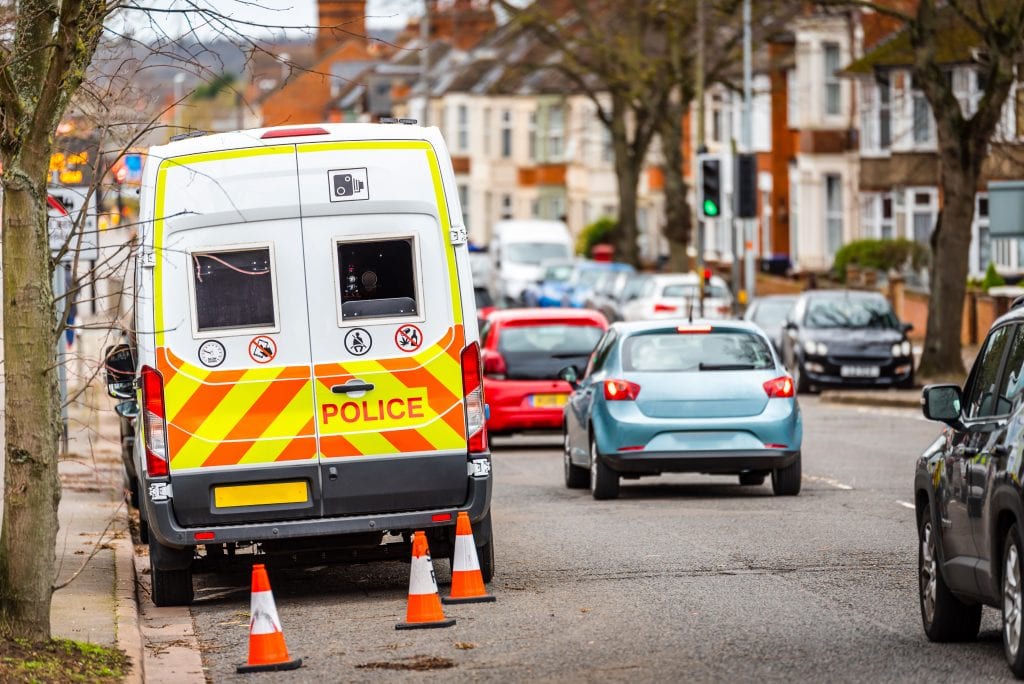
[416, 404]
[236, 417]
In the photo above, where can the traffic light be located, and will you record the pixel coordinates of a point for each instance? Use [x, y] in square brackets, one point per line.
[746, 186]
[710, 187]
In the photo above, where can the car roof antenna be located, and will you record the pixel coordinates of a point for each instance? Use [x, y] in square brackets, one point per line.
[689, 313]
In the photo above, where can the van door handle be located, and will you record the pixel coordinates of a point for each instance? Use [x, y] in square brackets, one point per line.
[352, 387]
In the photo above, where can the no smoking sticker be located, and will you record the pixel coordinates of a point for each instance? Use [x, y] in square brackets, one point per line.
[408, 338]
[262, 349]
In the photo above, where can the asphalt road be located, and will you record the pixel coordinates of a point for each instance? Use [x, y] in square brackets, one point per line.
[683, 578]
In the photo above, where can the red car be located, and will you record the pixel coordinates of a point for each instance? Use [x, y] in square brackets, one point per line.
[523, 350]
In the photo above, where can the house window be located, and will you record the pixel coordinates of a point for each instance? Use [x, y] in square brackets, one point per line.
[883, 99]
[984, 240]
[794, 213]
[506, 133]
[506, 206]
[234, 289]
[463, 127]
[531, 131]
[377, 279]
[487, 130]
[921, 117]
[464, 201]
[833, 212]
[923, 212]
[877, 216]
[717, 118]
[792, 99]
[607, 148]
[832, 92]
[556, 133]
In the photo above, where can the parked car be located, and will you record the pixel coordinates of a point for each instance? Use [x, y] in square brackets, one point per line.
[969, 499]
[484, 303]
[676, 295]
[586, 277]
[523, 351]
[770, 314]
[552, 286]
[659, 396]
[846, 338]
[518, 250]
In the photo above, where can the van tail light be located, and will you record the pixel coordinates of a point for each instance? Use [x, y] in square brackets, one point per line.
[293, 132]
[665, 308]
[494, 365]
[154, 422]
[620, 390]
[779, 388]
[473, 394]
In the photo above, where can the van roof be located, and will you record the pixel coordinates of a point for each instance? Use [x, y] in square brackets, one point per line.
[253, 137]
[531, 225]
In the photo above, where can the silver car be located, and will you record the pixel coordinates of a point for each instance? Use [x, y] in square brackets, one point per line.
[676, 295]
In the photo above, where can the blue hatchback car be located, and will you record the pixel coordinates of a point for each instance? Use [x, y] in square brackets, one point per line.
[708, 397]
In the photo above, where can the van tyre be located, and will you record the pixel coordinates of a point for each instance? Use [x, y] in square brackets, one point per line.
[1012, 590]
[943, 615]
[171, 574]
[575, 476]
[604, 482]
[786, 481]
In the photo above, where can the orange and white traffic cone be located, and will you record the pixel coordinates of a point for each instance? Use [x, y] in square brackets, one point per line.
[267, 650]
[424, 604]
[467, 581]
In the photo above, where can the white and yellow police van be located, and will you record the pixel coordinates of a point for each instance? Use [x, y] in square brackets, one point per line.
[308, 360]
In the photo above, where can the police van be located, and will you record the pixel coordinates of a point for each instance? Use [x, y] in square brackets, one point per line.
[308, 360]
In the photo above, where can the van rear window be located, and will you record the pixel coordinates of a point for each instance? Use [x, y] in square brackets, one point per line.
[234, 289]
[377, 279]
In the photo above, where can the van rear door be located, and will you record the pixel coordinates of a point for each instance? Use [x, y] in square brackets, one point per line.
[386, 333]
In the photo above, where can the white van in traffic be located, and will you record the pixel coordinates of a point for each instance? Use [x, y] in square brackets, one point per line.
[519, 249]
[308, 357]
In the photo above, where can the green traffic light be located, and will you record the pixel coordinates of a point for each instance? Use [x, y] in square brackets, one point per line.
[710, 208]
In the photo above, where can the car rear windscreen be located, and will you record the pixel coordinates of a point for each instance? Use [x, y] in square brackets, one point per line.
[689, 291]
[672, 351]
[538, 352]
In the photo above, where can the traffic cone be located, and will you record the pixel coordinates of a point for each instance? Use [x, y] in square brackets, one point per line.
[424, 604]
[467, 581]
[267, 650]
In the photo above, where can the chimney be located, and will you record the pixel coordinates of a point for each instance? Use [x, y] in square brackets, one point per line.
[339, 20]
[462, 22]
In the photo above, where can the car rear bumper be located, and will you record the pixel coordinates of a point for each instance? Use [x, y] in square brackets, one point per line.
[509, 404]
[169, 531]
[699, 461]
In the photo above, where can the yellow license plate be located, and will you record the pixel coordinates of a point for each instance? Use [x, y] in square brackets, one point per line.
[549, 400]
[235, 496]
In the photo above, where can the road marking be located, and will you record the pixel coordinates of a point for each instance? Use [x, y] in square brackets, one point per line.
[906, 504]
[829, 481]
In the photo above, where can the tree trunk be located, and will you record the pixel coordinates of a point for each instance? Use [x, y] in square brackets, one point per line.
[950, 242]
[31, 483]
[678, 222]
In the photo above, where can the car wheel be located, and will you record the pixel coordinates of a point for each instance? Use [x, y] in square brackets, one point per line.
[1013, 630]
[575, 476]
[753, 478]
[800, 379]
[944, 616]
[786, 481]
[604, 482]
[171, 574]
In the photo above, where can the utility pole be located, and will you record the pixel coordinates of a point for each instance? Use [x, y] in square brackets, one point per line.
[425, 62]
[701, 147]
[749, 276]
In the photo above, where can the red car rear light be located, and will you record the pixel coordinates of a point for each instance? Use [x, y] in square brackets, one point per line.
[665, 308]
[473, 395]
[779, 388]
[494, 365]
[693, 329]
[154, 422]
[620, 390]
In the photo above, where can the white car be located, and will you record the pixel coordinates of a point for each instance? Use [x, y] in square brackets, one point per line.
[676, 295]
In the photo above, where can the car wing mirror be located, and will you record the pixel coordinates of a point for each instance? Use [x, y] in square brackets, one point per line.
[907, 327]
[942, 403]
[119, 365]
[571, 375]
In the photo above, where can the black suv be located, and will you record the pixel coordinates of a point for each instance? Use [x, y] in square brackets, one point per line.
[970, 509]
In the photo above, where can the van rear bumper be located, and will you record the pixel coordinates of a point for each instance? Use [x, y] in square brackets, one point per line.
[164, 526]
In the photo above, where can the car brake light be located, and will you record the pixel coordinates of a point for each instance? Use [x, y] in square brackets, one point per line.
[779, 388]
[294, 132]
[725, 309]
[473, 394]
[154, 422]
[620, 390]
[665, 308]
[494, 365]
[694, 329]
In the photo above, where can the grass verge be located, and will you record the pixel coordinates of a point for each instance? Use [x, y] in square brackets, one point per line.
[60, 660]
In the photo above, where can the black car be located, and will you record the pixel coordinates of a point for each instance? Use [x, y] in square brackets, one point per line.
[969, 502]
[770, 314]
[846, 337]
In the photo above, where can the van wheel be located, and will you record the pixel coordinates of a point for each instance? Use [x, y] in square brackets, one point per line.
[575, 476]
[171, 574]
[944, 616]
[604, 482]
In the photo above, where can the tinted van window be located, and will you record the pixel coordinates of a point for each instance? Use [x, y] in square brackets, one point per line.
[234, 289]
[377, 279]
